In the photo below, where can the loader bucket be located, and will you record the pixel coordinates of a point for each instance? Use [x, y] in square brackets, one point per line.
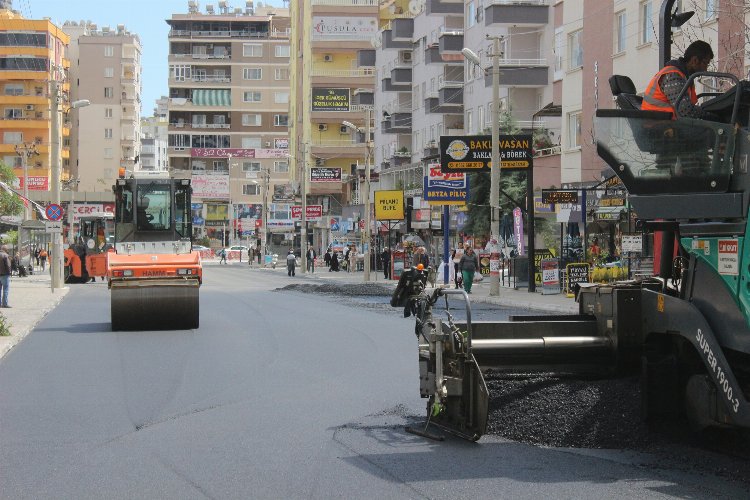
[155, 304]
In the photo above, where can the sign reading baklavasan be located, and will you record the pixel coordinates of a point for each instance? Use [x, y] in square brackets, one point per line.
[473, 153]
[445, 188]
[328, 99]
[325, 174]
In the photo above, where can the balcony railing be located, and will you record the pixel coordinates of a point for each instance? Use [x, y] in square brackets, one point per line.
[337, 143]
[202, 56]
[218, 34]
[523, 62]
[554, 150]
[519, 2]
[445, 83]
[363, 72]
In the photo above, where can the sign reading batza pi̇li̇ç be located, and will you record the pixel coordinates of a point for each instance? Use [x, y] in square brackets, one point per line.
[473, 153]
[389, 205]
[328, 99]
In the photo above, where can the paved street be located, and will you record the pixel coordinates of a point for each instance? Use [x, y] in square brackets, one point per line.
[276, 395]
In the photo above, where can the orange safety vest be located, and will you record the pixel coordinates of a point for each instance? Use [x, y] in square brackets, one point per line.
[655, 100]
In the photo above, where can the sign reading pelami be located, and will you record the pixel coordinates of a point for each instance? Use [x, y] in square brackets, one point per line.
[327, 99]
[389, 205]
[473, 153]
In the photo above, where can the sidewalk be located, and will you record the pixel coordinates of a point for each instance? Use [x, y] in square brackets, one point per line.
[30, 299]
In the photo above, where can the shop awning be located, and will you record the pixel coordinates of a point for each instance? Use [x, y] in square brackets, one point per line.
[212, 97]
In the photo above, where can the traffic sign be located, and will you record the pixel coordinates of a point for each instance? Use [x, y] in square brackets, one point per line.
[53, 226]
[54, 212]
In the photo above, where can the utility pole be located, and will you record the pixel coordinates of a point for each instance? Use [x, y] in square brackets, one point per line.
[303, 216]
[366, 201]
[57, 251]
[495, 171]
[26, 151]
[264, 172]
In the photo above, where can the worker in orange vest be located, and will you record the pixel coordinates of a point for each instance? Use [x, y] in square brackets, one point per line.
[664, 88]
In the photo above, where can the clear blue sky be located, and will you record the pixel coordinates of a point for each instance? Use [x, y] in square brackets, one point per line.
[146, 18]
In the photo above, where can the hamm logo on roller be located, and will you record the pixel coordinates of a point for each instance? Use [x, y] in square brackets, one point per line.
[154, 273]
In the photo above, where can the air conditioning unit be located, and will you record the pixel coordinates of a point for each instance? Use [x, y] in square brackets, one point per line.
[344, 129]
[406, 56]
[328, 58]
[322, 127]
[29, 107]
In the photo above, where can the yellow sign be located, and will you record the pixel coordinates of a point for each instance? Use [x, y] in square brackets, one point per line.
[389, 205]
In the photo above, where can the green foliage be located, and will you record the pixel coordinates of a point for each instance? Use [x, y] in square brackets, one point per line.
[204, 241]
[4, 326]
[11, 237]
[10, 204]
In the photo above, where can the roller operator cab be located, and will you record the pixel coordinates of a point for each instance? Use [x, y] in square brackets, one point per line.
[154, 276]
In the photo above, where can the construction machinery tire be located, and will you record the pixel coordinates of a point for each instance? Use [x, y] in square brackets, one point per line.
[155, 305]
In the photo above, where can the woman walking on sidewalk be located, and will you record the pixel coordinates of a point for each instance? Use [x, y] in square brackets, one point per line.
[468, 267]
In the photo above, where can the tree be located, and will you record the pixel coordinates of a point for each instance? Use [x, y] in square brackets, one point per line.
[10, 204]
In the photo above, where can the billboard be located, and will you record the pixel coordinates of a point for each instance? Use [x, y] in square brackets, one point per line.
[197, 211]
[328, 99]
[389, 205]
[473, 153]
[313, 212]
[344, 28]
[222, 153]
[78, 210]
[216, 214]
[325, 174]
[449, 188]
[36, 182]
[213, 186]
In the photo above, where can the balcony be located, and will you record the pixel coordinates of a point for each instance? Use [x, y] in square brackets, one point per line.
[191, 34]
[401, 75]
[365, 58]
[389, 86]
[327, 147]
[320, 70]
[523, 73]
[402, 29]
[396, 123]
[390, 43]
[451, 41]
[430, 151]
[517, 12]
[435, 102]
[363, 97]
[202, 57]
[347, 3]
[444, 7]
[197, 80]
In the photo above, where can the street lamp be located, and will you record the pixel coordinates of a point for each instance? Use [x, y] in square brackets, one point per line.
[265, 179]
[366, 200]
[56, 167]
[472, 57]
[303, 215]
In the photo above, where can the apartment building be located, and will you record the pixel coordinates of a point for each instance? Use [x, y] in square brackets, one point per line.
[333, 78]
[33, 54]
[154, 138]
[106, 71]
[228, 113]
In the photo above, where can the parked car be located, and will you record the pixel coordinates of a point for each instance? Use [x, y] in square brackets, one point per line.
[236, 252]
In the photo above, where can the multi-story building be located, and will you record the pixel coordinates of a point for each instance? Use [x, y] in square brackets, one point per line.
[32, 54]
[154, 138]
[333, 77]
[228, 114]
[106, 71]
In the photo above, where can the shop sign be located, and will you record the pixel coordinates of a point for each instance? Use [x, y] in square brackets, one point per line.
[550, 277]
[210, 186]
[329, 99]
[632, 243]
[473, 153]
[36, 182]
[539, 256]
[389, 205]
[325, 174]
[579, 272]
[559, 196]
[313, 212]
[222, 153]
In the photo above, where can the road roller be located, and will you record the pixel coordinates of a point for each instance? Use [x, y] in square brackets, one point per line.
[153, 274]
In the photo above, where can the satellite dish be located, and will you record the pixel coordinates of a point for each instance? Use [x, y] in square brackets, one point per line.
[414, 7]
[375, 41]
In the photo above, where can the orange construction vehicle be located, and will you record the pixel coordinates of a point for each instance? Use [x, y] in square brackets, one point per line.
[154, 276]
[86, 256]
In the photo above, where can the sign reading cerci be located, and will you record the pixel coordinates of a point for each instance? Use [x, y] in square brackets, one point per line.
[328, 99]
[325, 174]
[473, 153]
[559, 196]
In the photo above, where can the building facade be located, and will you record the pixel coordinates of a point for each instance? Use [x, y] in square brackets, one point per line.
[106, 71]
[228, 115]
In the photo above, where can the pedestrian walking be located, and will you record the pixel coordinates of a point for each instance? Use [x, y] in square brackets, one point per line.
[334, 261]
[468, 266]
[421, 257]
[456, 272]
[36, 255]
[250, 252]
[311, 259]
[291, 262]
[223, 256]
[385, 258]
[43, 258]
[352, 258]
[5, 271]
[327, 259]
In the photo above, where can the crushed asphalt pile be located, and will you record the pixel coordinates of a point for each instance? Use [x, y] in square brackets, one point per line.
[341, 289]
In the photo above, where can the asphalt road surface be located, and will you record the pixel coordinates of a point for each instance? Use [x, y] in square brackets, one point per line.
[277, 395]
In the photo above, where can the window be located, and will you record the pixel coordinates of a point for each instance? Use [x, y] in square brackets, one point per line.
[109, 72]
[281, 97]
[179, 141]
[281, 120]
[251, 96]
[209, 141]
[13, 113]
[252, 50]
[281, 51]
[471, 14]
[621, 22]
[108, 153]
[109, 50]
[108, 92]
[13, 161]
[480, 118]
[250, 189]
[251, 166]
[559, 50]
[12, 137]
[250, 120]
[252, 73]
[107, 133]
[251, 142]
[647, 23]
[107, 112]
[574, 130]
[710, 9]
[281, 74]
[470, 121]
[281, 167]
[575, 50]
[14, 89]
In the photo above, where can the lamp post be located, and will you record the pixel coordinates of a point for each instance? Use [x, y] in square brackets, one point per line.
[366, 200]
[56, 167]
[495, 166]
[26, 151]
